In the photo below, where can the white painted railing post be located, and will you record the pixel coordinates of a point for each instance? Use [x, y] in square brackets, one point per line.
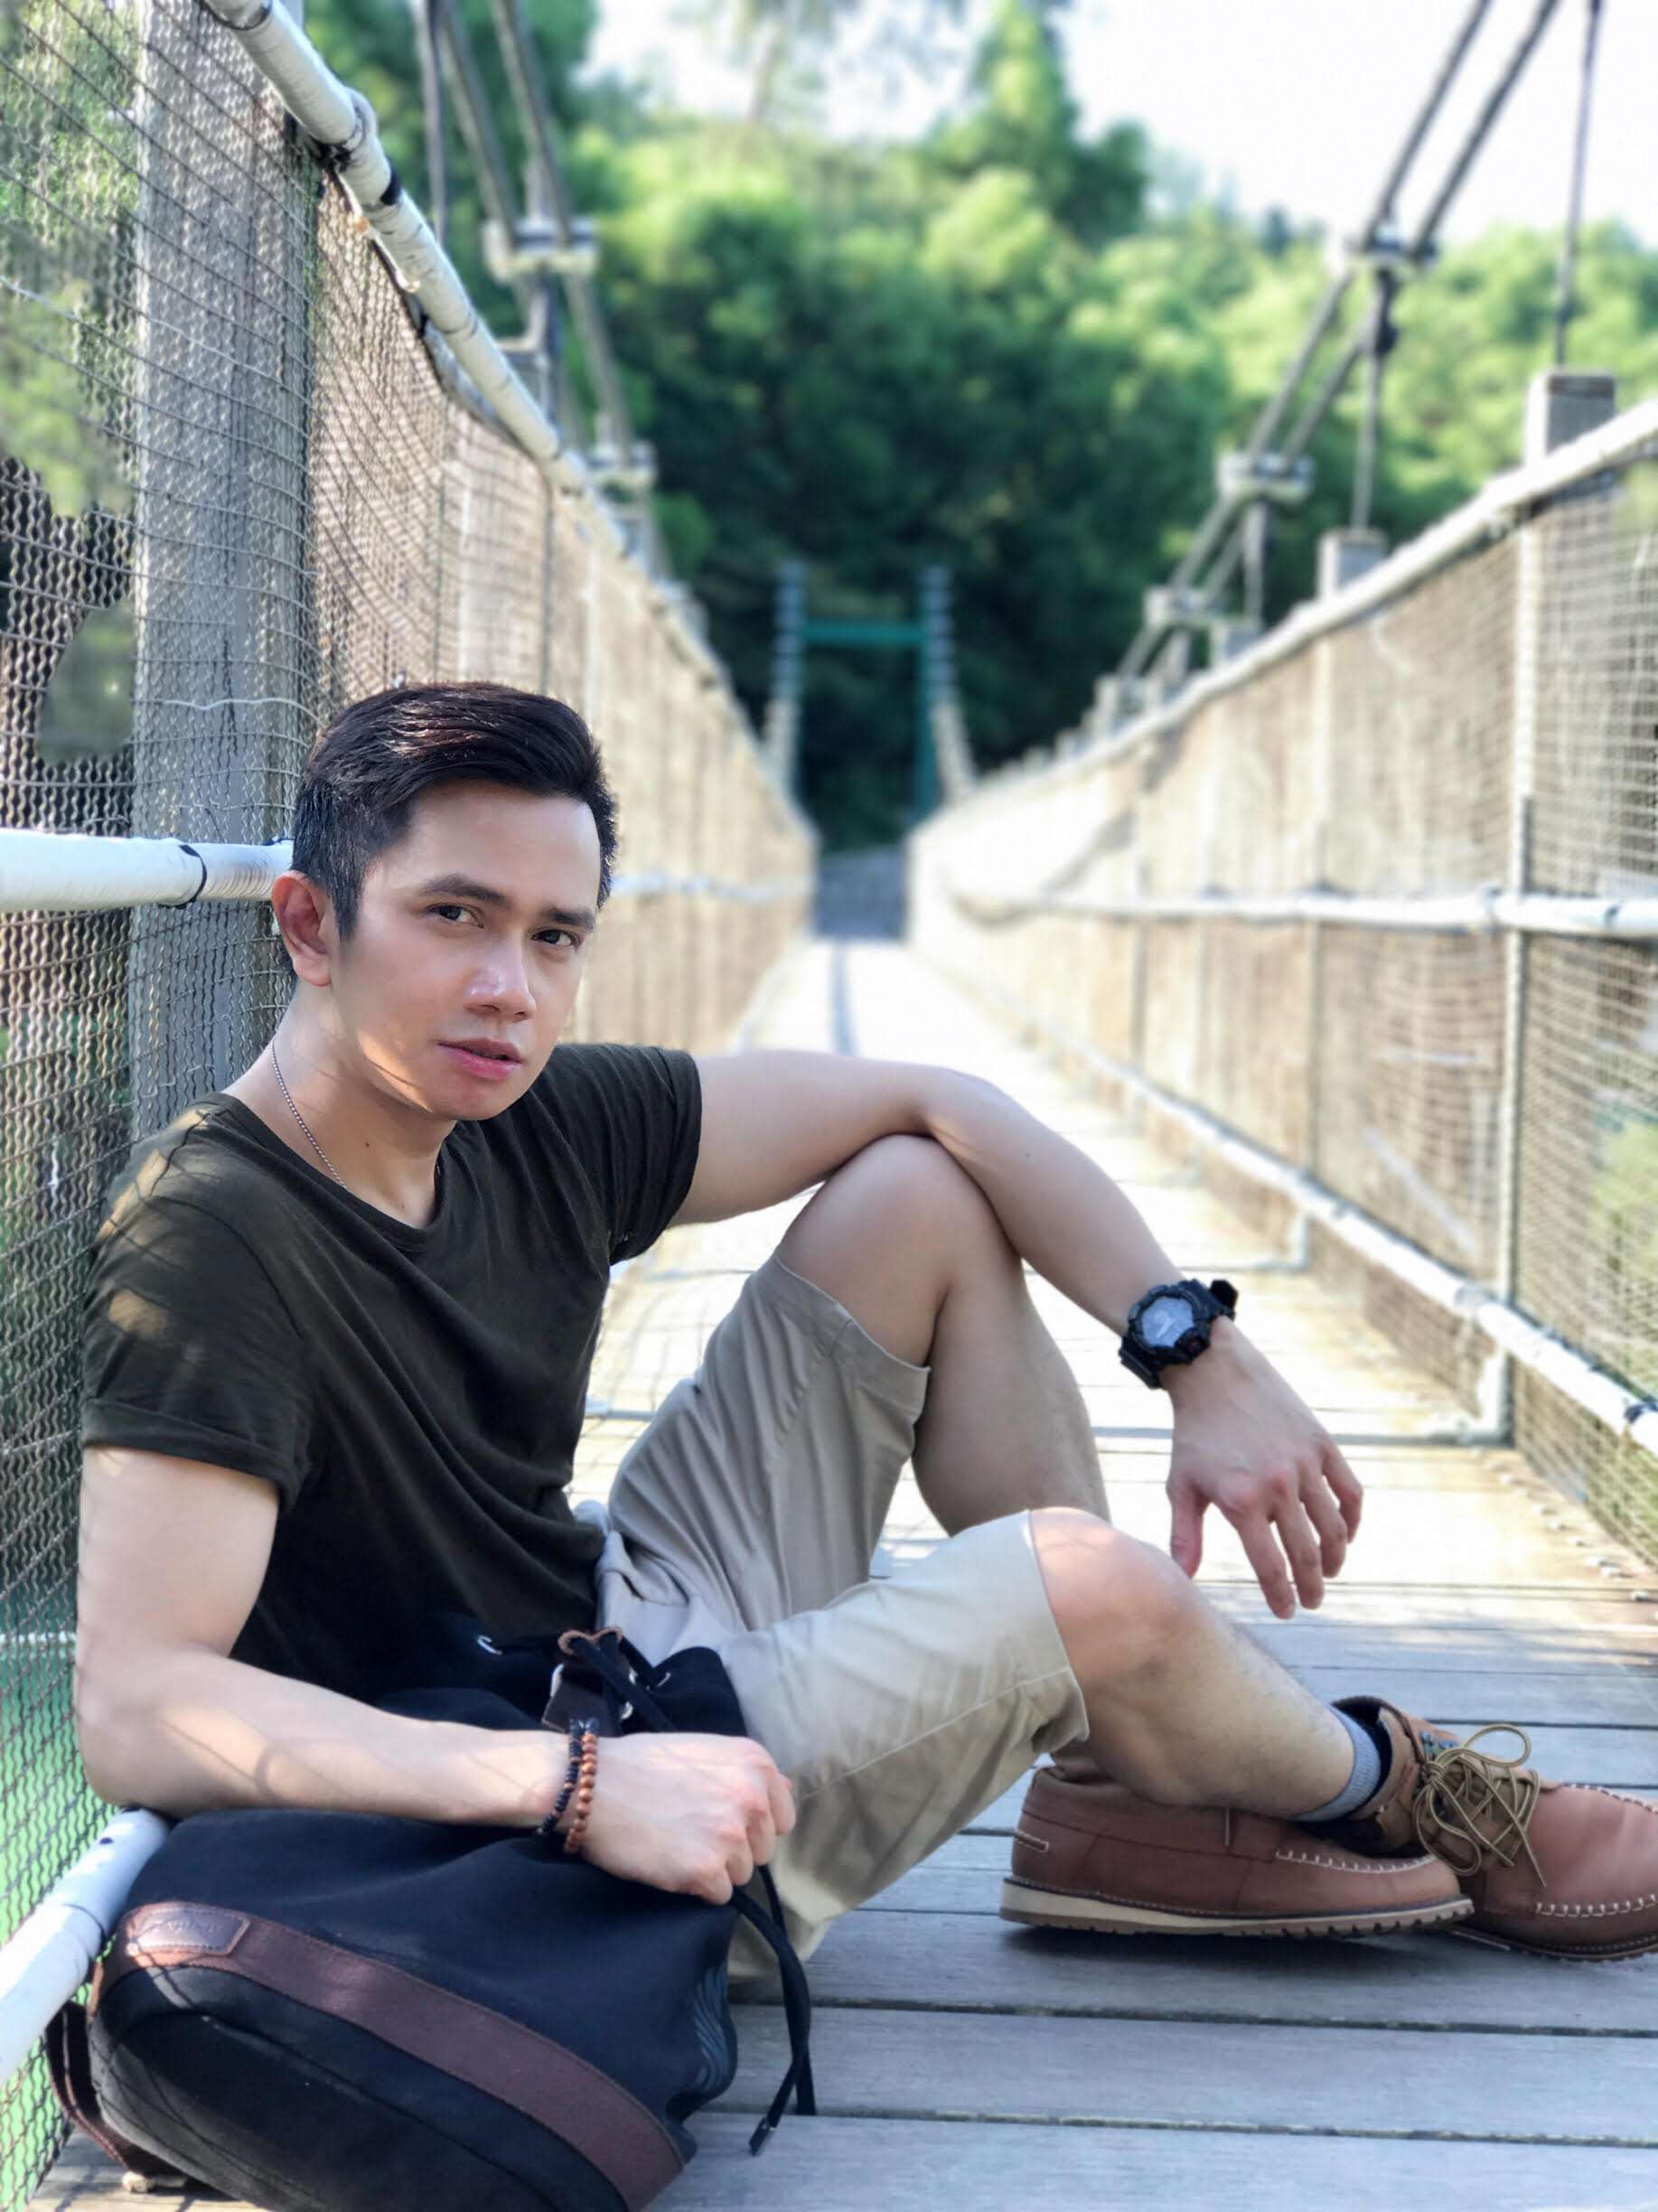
[1343, 555]
[218, 581]
[1562, 405]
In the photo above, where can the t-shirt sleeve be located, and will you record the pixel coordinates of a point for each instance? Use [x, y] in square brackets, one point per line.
[634, 1112]
[189, 1349]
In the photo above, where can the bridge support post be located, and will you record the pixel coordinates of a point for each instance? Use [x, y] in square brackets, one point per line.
[1229, 635]
[782, 713]
[1345, 555]
[1172, 666]
[219, 582]
[1560, 405]
[945, 741]
[1118, 699]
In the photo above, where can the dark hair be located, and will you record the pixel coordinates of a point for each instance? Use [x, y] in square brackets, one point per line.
[375, 758]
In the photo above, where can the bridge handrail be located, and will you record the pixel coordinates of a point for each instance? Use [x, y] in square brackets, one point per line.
[50, 871]
[1492, 511]
[341, 122]
[1367, 918]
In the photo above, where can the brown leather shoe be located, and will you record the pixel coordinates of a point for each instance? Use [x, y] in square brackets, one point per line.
[1091, 1855]
[1551, 1866]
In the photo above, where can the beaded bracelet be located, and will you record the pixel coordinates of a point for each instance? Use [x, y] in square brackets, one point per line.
[579, 1731]
[576, 1832]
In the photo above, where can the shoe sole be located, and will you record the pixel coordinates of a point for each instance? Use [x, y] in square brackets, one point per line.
[1060, 1909]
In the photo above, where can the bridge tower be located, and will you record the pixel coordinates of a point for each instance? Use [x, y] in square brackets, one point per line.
[941, 762]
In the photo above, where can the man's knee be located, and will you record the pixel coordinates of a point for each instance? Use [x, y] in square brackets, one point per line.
[1120, 1604]
[890, 1232]
[909, 1194]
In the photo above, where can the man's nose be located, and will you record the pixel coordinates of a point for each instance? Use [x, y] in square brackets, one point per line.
[503, 980]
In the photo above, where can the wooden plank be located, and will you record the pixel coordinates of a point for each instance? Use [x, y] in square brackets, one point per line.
[948, 1882]
[1422, 1540]
[950, 1962]
[1525, 2088]
[84, 2178]
[1374, 1627]
[1418, 1617]
[917, 2165]
[1248, 2072]
[1361, 1649]
[1433, 1471]
[1493, 1542]
[1596, 1693]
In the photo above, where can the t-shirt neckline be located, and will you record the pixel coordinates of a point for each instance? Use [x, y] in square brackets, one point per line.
[408, 1233]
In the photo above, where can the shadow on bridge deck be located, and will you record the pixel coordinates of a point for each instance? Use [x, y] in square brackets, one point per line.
[963, 2063]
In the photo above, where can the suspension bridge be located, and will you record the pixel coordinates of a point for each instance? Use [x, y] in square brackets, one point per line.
[1335, 950]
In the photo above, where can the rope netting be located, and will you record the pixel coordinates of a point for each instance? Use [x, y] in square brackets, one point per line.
[235, 491]
[1489, 1095]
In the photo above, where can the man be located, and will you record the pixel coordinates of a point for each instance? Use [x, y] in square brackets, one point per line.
[337, 1345]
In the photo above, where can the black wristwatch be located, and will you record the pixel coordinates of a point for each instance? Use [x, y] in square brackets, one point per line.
[1169, 1327]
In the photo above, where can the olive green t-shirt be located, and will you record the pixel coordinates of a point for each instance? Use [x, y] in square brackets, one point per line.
[414, 1395]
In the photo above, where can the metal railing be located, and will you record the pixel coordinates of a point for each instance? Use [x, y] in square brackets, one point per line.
[1365, 919]
[257, 458]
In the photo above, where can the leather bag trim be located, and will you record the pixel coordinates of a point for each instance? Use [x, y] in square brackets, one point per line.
[550, 2083]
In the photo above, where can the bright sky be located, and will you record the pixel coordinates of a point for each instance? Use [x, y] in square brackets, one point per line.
[1297, 103]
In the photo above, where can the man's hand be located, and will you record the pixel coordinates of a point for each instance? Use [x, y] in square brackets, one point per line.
[692, 1814]
[1246, 1444]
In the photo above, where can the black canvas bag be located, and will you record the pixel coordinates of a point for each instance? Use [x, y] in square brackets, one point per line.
[335, 2011]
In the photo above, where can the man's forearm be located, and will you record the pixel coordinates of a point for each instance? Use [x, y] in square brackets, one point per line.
[1060, 1212]
[1242, 1440]
[190, 1731]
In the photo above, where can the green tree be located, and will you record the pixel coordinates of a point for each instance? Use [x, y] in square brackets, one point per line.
[1007, 348]
[1021, 116]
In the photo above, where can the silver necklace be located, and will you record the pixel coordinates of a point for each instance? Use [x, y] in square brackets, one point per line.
[302, 1121]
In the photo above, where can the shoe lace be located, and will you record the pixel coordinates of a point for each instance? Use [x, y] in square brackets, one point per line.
[1471, 1804]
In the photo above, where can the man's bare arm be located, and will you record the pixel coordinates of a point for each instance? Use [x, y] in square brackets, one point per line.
[773, 1124]
[173, 1554]
[1243, 1442]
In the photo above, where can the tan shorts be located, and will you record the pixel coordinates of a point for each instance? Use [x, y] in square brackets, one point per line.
[746, 1517]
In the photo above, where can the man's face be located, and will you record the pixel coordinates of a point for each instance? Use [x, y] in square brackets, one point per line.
[472, 927]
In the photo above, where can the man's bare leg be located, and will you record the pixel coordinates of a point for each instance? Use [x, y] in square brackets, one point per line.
[1182, 1707]
[908, 1243]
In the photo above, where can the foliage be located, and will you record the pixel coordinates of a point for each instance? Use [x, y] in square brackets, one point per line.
[1622, 1230]
[1010, 347]
[62, 340]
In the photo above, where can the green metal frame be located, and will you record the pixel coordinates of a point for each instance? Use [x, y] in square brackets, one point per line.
[927, 637]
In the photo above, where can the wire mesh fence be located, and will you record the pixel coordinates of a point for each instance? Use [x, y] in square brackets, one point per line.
[235, 491]
[1489, 1095]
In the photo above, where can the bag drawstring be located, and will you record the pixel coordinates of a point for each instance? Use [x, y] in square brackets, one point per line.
[797, 2012]
[613, 1666]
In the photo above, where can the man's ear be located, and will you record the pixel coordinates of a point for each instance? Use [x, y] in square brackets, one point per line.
[305, 917]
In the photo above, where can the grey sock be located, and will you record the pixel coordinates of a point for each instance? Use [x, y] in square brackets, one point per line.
[1364, 1781]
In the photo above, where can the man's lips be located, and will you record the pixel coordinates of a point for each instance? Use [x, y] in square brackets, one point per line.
[484, 1058]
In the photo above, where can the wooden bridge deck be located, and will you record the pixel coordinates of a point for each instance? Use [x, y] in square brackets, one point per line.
[963, 2063]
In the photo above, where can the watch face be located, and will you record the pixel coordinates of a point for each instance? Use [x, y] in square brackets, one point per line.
[1165, 1321]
